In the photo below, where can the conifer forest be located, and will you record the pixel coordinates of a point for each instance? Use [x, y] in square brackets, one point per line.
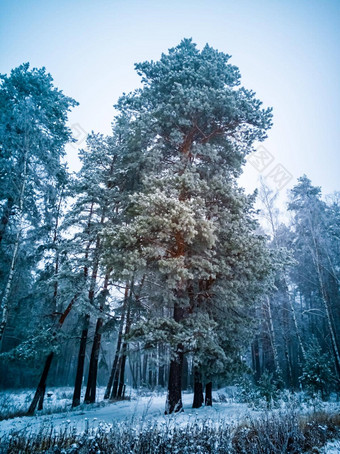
[152, 274]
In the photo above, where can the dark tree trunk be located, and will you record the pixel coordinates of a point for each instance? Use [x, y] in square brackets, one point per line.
[118, 348]
[114, 365]
[42, 383]
[174, 396]
[198, 390]
[81, 362]
[208, 394]
[124, 349]
[122, 373]
[116, 380]
[113, 380]
[90, 395]
[41, 400]
[256, 359]
[40, 391]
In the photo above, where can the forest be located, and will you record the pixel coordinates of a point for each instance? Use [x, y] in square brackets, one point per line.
[151, 269]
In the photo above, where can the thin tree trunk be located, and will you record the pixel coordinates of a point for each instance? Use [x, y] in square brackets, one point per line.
[174, 395]
[208, 394]
[124, 347]
[198, 389]
[81, 362]
[115, 385]
[42, 383]
[256, 359]
[272, 337]
[292, 310]
[325, 302]
[86, 323]
[118, 347]
[90, 395]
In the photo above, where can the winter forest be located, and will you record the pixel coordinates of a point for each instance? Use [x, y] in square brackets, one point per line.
[152, 274]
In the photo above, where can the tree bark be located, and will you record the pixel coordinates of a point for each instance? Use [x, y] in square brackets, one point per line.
[198, 389]
[256, 358]
[81, 362]
[174, 396]
[124, 347]
[118, 348]
[90, 395]
[40, 391]
[208, 394]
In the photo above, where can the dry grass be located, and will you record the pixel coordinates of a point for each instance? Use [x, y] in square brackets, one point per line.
[272, 433]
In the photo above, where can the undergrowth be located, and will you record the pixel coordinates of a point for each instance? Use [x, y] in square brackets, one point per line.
[272, 433]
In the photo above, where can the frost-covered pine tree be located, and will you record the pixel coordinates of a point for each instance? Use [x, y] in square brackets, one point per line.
[33, 134]
[316, 250]
[188, 227]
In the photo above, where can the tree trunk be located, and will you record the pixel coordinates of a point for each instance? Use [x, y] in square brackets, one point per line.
[90, 395]
[208, 394]
[118, 348]
[42, 383]
[198, 389]
[174, 396]
[124, 347]
[324, 297]
[256, 359]
[39, 393]
[122, 372]
[272, 337]
[81, 362]
[115, 385]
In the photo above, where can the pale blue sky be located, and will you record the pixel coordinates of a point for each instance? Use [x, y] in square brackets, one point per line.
[287, 51]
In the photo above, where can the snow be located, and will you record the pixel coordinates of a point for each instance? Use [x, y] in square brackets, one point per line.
[137, 409]
[332, 447]
[140, 409]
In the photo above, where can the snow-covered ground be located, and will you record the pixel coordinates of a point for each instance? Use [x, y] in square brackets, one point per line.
[333, 447]
[138, 408]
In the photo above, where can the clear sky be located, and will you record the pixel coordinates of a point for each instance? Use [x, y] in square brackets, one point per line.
[287, 51]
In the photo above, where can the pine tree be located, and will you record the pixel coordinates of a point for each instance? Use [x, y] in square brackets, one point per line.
[188, 225]
[33, 134]
[317, 261]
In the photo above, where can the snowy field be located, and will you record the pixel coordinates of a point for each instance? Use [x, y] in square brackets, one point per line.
[138, 408]
[139, 412]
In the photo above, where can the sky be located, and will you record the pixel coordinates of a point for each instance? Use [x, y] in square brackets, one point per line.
[287, 52]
